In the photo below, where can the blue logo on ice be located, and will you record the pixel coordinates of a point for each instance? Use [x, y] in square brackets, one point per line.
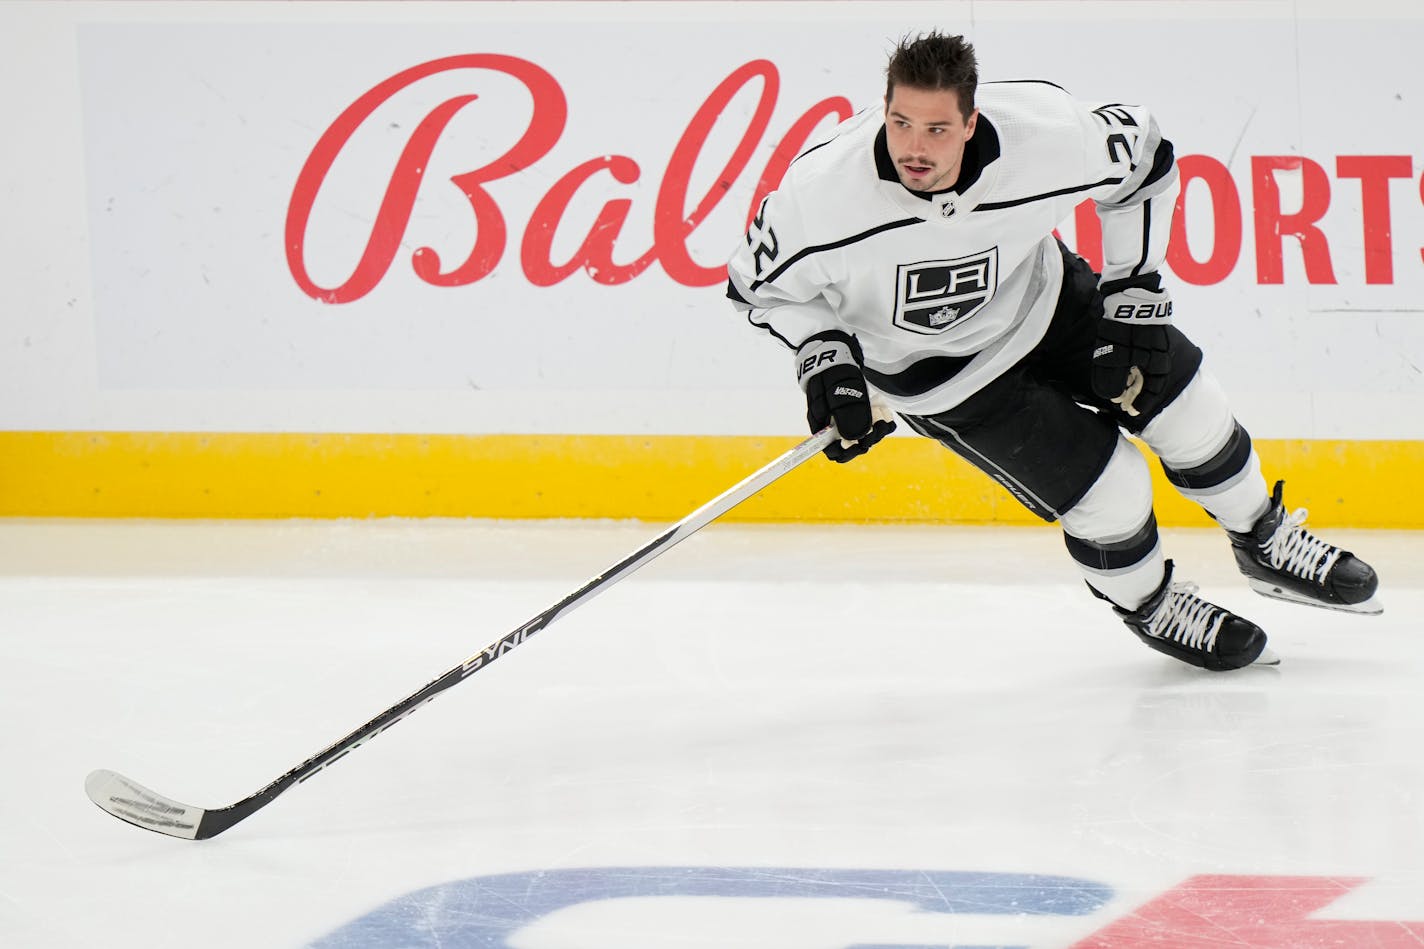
[483, 912]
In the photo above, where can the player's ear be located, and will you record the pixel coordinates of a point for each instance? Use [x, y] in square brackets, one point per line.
[970, 124]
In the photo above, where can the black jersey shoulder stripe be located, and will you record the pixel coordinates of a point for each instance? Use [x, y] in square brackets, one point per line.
[1005, 82]
[822, 144]
[1000, 205]
[811, 149]
[819, 248]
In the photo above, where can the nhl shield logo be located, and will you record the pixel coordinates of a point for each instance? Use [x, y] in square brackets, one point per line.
[933, 295]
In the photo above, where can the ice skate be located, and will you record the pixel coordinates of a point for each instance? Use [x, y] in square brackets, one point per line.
[1176, 621]
[1283, 560]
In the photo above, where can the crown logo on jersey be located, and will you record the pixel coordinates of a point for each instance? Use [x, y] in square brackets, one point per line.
[944, 316]
[933, 295]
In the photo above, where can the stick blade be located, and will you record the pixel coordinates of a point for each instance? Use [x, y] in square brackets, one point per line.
[132, 802]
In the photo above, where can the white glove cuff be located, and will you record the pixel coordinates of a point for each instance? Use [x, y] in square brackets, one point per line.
[1139, 306]
[818, 355]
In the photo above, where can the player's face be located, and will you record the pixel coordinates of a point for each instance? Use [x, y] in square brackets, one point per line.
[926, 132]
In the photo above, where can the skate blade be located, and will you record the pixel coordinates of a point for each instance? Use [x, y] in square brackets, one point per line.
[1267, 658]
[1370, 607]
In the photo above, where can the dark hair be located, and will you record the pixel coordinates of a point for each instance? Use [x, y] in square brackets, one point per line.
[934, 61]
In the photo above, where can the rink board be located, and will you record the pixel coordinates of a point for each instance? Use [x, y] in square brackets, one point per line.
[160, 474]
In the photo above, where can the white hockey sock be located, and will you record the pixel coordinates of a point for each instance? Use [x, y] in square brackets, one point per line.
[1128, 587]
[1208, 456]
[1111, 533]
[1238, 505]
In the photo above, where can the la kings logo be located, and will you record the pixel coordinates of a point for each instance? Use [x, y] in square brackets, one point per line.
[934, 295]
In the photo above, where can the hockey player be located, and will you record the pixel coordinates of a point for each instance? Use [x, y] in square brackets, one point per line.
[910, 262]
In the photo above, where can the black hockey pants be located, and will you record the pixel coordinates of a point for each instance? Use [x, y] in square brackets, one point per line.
[1038, 429]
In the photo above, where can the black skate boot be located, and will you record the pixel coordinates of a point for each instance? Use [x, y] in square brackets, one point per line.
[1282, 559]
[1176, 621]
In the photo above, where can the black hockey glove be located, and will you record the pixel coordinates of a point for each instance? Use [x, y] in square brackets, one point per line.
[1132, 359]
[828, 368]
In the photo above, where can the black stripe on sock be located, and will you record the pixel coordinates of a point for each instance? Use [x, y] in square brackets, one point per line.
[1117, 555]
[1220, 468]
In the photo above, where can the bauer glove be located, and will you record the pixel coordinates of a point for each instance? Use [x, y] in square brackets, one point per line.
[1132, 358]
[828, 368]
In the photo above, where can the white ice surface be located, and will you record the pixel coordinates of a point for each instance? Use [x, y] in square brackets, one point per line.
[915, 698]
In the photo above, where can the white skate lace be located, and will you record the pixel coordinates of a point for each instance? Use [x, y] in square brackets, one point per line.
[1298, 551]
[1187, 619]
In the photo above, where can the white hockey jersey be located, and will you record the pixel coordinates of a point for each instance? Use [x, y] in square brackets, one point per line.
[946, 291]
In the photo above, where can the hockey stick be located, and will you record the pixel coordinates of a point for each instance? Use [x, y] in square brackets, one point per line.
[132, 802]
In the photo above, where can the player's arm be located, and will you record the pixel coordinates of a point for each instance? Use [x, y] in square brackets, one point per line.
[1132, 358]
[772, 279]
[782, 291]
[1136, 214]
